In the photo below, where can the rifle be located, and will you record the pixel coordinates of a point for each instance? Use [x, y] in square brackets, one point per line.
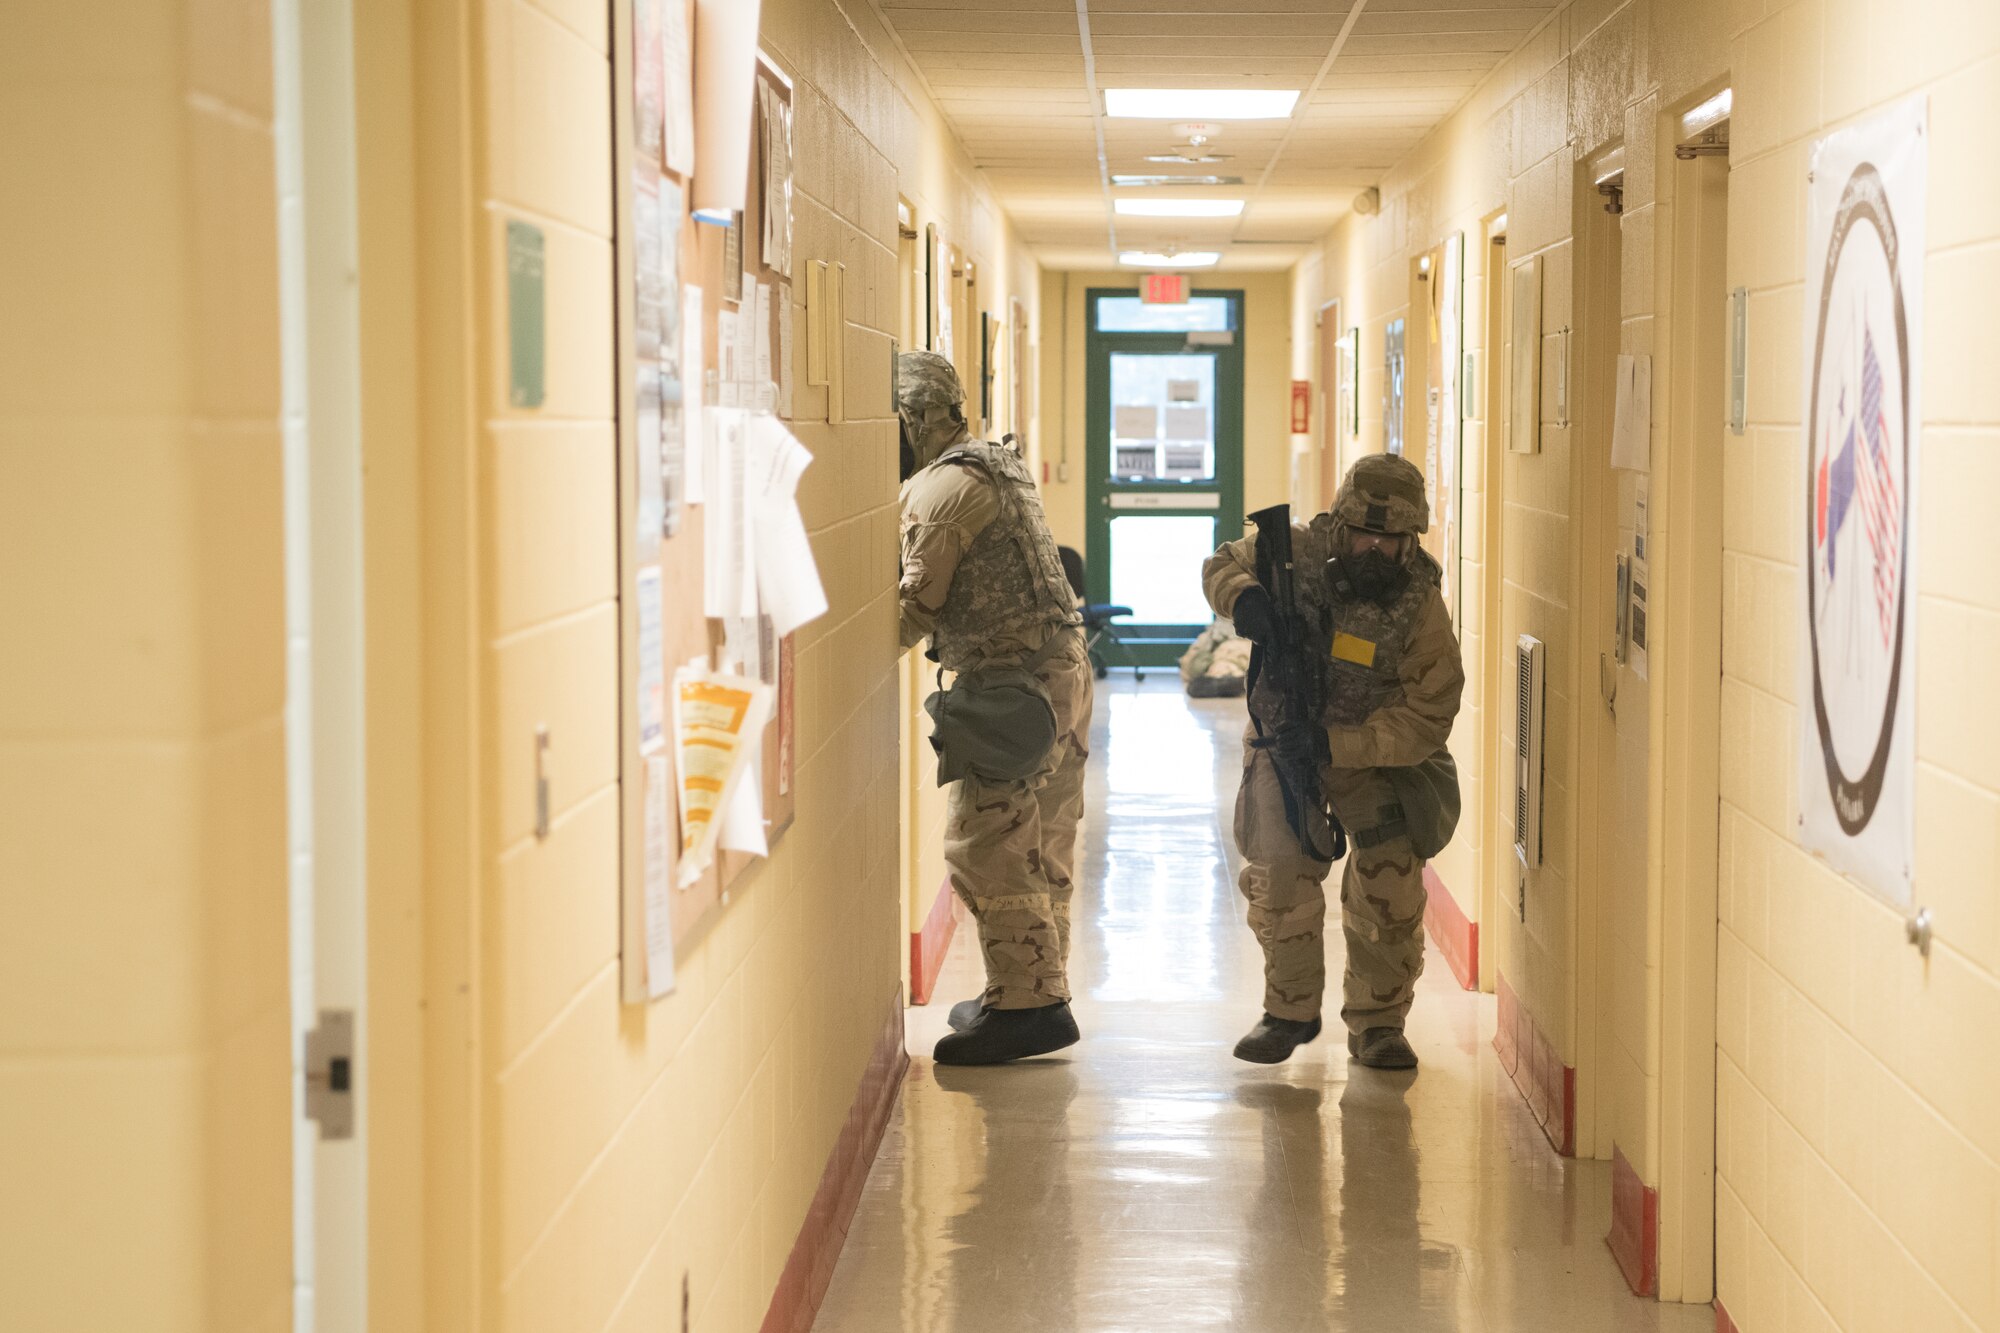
[1297, 740]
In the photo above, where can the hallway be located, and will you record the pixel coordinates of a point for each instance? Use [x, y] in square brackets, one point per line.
[1144, 1180]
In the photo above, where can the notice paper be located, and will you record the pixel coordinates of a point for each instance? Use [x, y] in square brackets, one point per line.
[760, 352]
[1136, 421]
[743, 818]
[659, 880]
[649, 517]
[718, 726]
[729, 576]
[1137, 460]
[1632, 428]
[648, 81]
[1187, 423]
[652, 699]
[694, 402]
[784, 300]
[1183, 391]
[677, 100]
[787, 576]
[650, 278]
[725, 355]
[775, 120]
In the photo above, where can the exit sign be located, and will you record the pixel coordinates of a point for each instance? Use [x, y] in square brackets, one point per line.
[1166, 289]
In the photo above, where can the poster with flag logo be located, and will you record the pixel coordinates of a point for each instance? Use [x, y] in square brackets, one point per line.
[1864, 321]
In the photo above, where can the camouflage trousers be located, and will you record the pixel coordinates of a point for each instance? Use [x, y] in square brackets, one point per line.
[1381, 898]
[1011, 847]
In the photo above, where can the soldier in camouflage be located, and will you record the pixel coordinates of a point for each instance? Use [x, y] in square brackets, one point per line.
[981, 579]
[1392, 682]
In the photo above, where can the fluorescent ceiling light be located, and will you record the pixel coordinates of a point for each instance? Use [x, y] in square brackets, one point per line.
[1137, 182]
[1186, 259]
[1179, 208]
[1200, 103]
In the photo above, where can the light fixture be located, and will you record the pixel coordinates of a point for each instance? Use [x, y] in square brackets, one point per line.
[1179, 208]
[725, 69]
[1144, 182]
[1185, 259]
[1200, 103]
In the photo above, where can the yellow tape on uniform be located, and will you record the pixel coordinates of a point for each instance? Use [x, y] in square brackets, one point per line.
[1348, 648]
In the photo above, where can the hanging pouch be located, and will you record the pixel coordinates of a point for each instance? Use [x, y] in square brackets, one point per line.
[996, 723]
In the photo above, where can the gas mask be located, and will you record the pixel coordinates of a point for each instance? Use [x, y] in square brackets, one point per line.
[1374, 575]
[925, 438]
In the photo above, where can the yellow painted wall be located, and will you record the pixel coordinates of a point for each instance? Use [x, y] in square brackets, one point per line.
[1267, 359]
[145, 1117]
[588, 1157]
[1858, 1148]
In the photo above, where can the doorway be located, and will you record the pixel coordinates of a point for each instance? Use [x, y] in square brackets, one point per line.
[1164, 431]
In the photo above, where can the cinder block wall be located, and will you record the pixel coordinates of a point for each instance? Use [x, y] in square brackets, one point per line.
[615, 1152]
[145, 1113]
[1858, 1150]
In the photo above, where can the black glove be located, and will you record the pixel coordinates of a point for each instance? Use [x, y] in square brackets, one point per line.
[1254, 616]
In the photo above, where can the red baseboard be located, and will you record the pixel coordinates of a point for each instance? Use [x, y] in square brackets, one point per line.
[1635, 1226]
[809, 1270]
[1723, 1323]
[927, 944]
[1530, 1059]
[1456, 937]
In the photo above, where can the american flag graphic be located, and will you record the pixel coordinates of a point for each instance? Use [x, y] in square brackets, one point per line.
[1860, 479]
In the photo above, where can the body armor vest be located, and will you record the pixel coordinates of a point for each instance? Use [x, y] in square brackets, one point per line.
[1010, 581]
[1366, 653]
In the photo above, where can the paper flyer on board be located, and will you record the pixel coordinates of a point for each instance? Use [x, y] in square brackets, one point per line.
[677, 79]
[693, 399]
[659, 880]
[718, 726]
[787, 575]
[652, 699]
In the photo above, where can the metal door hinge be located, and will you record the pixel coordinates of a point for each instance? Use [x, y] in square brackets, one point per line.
[330, 1074]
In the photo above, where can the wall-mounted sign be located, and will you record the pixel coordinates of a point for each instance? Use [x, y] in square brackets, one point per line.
[1864, 337]
[1301, 406]
[1166, 289]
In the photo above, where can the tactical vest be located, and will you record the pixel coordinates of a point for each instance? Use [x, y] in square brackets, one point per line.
[1366, 654]
[1010, 581]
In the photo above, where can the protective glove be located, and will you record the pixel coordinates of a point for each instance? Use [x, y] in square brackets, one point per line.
[1254, 616]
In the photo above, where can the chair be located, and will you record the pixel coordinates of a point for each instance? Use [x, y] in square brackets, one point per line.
[1097, 619]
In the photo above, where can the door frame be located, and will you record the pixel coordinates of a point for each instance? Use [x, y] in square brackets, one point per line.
[1327, 332]
[1147, 648]
[1685, 784]
[1493, 459]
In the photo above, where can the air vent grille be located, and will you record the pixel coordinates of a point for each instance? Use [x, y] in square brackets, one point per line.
[1528, 694]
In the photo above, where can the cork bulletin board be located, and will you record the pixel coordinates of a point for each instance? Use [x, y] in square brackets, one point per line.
[671, 364]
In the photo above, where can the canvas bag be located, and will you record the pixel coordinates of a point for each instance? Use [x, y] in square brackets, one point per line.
[996, 723]
[1428, 793]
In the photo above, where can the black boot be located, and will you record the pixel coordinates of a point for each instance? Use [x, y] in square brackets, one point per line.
[1275, 1038]
[966, 1012]
[999, 1035]
[1382, 1048]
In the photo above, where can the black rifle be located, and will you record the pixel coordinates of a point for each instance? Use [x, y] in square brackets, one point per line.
[1296, 739]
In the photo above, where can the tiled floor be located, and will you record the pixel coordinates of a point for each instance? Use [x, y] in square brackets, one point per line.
[1145, 1180]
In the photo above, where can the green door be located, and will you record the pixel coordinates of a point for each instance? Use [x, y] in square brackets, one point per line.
[1165, 456]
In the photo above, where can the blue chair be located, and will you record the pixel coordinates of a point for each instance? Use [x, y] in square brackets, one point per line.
[1098, 619]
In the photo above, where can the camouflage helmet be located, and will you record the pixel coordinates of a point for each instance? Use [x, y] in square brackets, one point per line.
[925, 380]
[1383, 493]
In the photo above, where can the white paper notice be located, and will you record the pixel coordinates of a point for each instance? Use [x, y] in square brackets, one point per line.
[1187, 423]
[725, 356]
[787, 576]
[748, 331]
[1136, 421]
[659, 880]
[652, 664]
[784, 299]
[729, 586]
[1632, 428]
[649, 512]
[743, 820]
[1183, 391]
[760, 335]
[678, 68]
[693, 359]
[775, 119]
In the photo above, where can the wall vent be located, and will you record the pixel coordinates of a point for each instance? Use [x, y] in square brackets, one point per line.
[1528, 690]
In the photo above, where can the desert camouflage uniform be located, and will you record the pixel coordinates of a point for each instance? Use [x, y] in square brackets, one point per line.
[982, 579]
[1393, 679]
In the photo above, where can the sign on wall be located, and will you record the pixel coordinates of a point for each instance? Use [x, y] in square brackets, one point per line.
[1865, 232]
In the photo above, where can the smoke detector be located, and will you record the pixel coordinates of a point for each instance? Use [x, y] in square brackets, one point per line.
[1195, 136]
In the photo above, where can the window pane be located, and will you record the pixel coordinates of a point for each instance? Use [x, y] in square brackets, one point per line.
[1128, 314]
[1156, 567]
[1162, 417]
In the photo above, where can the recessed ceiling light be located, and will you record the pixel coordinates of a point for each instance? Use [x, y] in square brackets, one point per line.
[1189, 157]
[1200, 103]
[1179, 208]
[1137, 182]
[1186, 259]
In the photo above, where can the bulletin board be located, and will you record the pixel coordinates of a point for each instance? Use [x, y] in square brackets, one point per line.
[671, 370]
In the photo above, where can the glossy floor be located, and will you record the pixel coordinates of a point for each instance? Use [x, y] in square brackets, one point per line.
[1145, 1180]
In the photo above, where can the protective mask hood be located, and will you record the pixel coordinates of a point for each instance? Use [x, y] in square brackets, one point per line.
[1372, 575]
[927, 436]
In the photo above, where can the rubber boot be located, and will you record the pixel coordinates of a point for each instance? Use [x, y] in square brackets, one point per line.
[966, 1012]
[999, 1035]
[1382, 1048]
[1273, 1039]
